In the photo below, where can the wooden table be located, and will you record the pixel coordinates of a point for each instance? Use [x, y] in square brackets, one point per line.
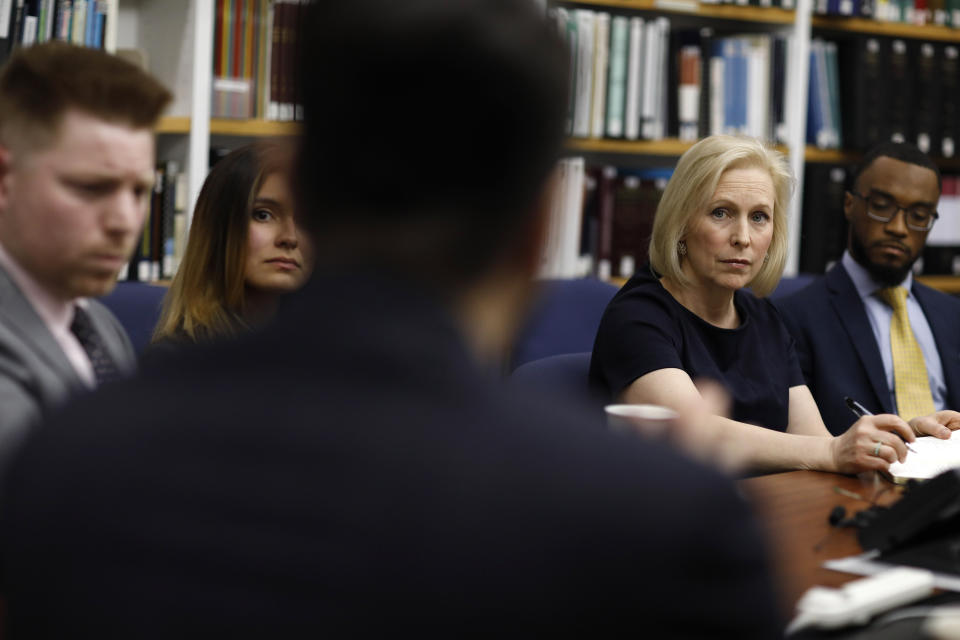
[793, 508]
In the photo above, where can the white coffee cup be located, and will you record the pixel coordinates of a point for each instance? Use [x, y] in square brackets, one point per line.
[648, 419]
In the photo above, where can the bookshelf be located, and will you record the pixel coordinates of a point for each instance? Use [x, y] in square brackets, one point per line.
[724, 19]
[180, 125]
[693, 8]
[891, 29]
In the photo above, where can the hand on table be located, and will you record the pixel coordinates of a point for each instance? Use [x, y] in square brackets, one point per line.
[938, 424]
[872, 443]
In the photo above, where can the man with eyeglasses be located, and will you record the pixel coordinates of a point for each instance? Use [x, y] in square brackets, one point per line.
[867, 330]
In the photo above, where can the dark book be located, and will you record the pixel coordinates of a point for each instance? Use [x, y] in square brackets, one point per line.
[863, 87]
[635, 200]
[927, 97]
[778, 89]
[591, 212]
[6, 42]
[706, 51]
[949, 82]
[16, 24]
[156, 225]
[167, 211]
[605, 203]
[823, 228]
[899, 125]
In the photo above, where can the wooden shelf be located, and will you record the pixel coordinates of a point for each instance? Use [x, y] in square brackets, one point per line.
[174, 124]
[881, 28]
[947, 284]
[840, 156]
[180, 125]
[670, 147]
[830, 156]
[254, 128]
[666, 147]
[693, 8]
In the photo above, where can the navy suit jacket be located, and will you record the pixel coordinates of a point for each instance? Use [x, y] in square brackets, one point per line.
[839, 355]
[352, 471]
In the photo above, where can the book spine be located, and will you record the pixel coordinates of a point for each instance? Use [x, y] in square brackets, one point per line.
[649, 94]
[635, 78]
[616, 83]
[605, 195]
[718, 73]
[584, 72]
[79, 21]
[927, 97]
[949, 74]
[601, 62]
[688, 92]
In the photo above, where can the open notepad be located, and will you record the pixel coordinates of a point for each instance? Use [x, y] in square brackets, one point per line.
[933, 456]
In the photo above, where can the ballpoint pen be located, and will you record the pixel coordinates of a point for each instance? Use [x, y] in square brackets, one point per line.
[859, 410]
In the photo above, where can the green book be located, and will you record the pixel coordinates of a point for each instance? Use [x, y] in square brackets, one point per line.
[617, 82]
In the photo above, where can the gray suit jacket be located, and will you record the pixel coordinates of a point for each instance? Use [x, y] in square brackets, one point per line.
[35, 374]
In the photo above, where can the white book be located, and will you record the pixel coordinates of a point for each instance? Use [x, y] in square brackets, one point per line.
[946, 232]
[650, 75]
[631, 125]
[655, 79]
[758, 86]
[717, 118]
[584, 72]
[571, 220]
[663, 84]
[6, 7]
[29, 30]
[110, 27]
[601, 50]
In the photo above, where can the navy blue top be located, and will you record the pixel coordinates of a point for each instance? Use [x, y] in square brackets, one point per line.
[645, 329]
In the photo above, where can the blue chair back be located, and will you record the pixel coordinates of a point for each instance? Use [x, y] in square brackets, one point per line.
[565, 375]
[791, 284]
[564, 319]
[137, 307]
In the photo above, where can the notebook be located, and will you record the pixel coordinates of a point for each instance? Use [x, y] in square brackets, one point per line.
[932, 457]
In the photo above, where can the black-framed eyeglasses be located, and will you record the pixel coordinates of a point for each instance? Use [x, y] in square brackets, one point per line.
[883, 208]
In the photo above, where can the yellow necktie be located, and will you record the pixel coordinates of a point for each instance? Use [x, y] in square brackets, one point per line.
[911, 384]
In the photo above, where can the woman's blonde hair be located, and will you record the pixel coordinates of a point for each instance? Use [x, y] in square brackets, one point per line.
[694, 182]
[206, 298]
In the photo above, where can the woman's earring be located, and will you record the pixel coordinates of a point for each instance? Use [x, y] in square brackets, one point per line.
[766, 257]
[682, 247]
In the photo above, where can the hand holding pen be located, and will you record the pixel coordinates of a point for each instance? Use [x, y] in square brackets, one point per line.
[859, 410]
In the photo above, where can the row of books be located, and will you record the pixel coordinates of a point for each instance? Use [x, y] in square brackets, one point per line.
[600, 220]
[255, 47]
[619, 83]
[917, 12]
[82, 22]
[866, 90]
[162, 242]
[635, 79]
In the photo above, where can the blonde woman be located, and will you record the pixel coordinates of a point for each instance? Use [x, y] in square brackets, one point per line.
[721, 227]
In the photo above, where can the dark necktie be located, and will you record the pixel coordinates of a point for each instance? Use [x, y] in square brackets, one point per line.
[104, 368]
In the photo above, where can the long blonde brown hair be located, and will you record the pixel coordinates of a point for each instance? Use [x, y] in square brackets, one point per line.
[206, 298]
